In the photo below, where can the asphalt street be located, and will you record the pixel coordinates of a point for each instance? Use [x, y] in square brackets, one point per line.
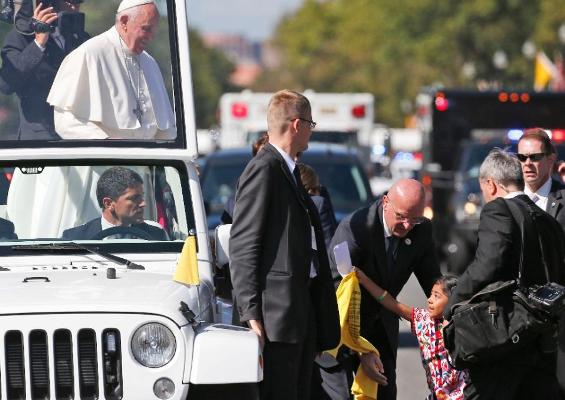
[410, 379]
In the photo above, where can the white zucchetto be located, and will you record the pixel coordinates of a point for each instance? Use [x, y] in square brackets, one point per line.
[125, 4]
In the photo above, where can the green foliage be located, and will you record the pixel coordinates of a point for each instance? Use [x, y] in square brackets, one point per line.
[393, 48]
[210, 78]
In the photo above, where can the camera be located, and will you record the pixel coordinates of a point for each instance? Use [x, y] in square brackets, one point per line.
[549, 298]
[15, 12]
[68, 23]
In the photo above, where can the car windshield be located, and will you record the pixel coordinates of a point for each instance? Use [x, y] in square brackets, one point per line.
[98, 202]
[87, 78]
[342, 176]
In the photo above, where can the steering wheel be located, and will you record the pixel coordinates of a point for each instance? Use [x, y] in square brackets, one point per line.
[124, 230]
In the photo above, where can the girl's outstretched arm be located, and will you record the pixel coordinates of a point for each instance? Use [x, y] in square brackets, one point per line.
[383, 296]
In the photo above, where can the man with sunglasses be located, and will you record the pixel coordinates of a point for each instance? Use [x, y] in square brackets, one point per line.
[31, 58]
[537, 156]
[389, 240]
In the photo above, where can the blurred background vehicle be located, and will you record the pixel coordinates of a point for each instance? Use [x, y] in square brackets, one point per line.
[338, 168]
[459, 129]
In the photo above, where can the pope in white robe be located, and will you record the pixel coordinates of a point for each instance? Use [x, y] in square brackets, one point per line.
[110, 87]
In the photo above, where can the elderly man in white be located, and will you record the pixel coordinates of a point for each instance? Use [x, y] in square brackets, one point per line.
[110, 87]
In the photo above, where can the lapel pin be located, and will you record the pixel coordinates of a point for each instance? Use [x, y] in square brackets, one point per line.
[408, 241]
[553, 204]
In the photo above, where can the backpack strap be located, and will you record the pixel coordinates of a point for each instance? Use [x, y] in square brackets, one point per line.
[530, 221]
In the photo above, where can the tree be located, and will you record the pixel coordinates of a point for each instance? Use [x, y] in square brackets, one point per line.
[394, 48]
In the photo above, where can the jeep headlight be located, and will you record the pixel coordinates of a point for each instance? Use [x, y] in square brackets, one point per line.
[153, 345]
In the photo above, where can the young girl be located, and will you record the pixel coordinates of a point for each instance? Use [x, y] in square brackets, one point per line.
[444, 381]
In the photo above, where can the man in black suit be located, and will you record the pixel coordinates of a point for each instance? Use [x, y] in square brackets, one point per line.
[538, 156]
[389, 240]
[29, 65]
[530, 373]
[119, 192]
[279, 267]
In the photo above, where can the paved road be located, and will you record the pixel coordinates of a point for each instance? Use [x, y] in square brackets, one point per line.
[410, 379]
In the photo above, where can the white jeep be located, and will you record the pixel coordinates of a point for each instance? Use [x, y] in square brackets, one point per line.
[99, 316]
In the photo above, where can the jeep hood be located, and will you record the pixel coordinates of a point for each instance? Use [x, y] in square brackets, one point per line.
[90, 291]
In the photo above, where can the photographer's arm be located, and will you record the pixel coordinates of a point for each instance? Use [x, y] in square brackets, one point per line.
[383, 297]
[22, 55]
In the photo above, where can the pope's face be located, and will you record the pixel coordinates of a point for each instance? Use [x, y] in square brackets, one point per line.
[141, 29]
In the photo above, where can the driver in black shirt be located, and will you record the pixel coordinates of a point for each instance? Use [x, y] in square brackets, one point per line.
[121, 197]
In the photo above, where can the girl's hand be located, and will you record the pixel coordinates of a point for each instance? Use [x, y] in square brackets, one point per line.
[360, 275]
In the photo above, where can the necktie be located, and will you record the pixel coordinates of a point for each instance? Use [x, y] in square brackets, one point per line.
[392, 244]
[296, 173]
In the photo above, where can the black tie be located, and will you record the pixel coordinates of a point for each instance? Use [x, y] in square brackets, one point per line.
[392, 244]
[296, 173]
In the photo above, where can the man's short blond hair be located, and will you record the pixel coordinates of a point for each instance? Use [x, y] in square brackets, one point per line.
[284, 106]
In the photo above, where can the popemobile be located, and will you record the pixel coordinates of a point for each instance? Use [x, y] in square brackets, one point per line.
[107, 275]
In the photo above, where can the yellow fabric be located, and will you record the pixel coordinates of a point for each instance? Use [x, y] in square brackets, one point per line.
[544, 71]
[187, 265]
[349, 301]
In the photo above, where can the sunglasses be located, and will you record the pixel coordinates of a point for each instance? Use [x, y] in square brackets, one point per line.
[533, 157]
[312, 123]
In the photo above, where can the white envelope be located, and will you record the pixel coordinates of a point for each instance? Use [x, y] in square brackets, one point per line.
[343, 258]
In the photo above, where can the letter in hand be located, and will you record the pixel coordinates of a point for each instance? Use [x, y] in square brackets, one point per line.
[257, 327]
[373, 367]
[43, 16]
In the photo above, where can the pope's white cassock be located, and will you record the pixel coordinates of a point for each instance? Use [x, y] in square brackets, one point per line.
[100, 88]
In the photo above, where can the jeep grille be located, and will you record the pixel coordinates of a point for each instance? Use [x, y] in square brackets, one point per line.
[44, 357]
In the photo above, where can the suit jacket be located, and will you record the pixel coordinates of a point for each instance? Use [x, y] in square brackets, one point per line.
[556, 202]
[271, 253]
[500, 245]
[91, 228]
[7, 230]
[556, 208]
[30, 73]
[364, 233]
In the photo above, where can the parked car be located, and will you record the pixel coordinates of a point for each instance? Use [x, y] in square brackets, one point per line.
[338, 167]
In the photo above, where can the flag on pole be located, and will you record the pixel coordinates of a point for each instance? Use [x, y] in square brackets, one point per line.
[187, 265]
[544, 71]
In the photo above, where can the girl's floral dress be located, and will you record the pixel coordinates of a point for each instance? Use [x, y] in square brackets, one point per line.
[443, 380]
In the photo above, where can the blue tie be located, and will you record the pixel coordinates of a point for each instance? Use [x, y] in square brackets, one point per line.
[392, 245]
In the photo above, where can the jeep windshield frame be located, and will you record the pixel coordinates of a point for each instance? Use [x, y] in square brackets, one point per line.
[179, 187]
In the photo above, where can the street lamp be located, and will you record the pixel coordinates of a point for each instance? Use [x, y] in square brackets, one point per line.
[500, 59]
[469, 70]
[500, 62]
[529, 48]
[561, 33]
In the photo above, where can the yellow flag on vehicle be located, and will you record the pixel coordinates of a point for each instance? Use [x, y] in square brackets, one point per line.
[187, 265]
[545, 71]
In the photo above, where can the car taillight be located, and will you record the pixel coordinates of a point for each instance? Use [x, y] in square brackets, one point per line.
[441, 104]
[358, 111]
[239, 110]
[557, 135]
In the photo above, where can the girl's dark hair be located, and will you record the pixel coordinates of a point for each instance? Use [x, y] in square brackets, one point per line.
[447, 282]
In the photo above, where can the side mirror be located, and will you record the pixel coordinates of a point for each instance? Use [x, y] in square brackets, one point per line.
[222, 239]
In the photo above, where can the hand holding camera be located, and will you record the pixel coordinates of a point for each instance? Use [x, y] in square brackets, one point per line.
[41, 22]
